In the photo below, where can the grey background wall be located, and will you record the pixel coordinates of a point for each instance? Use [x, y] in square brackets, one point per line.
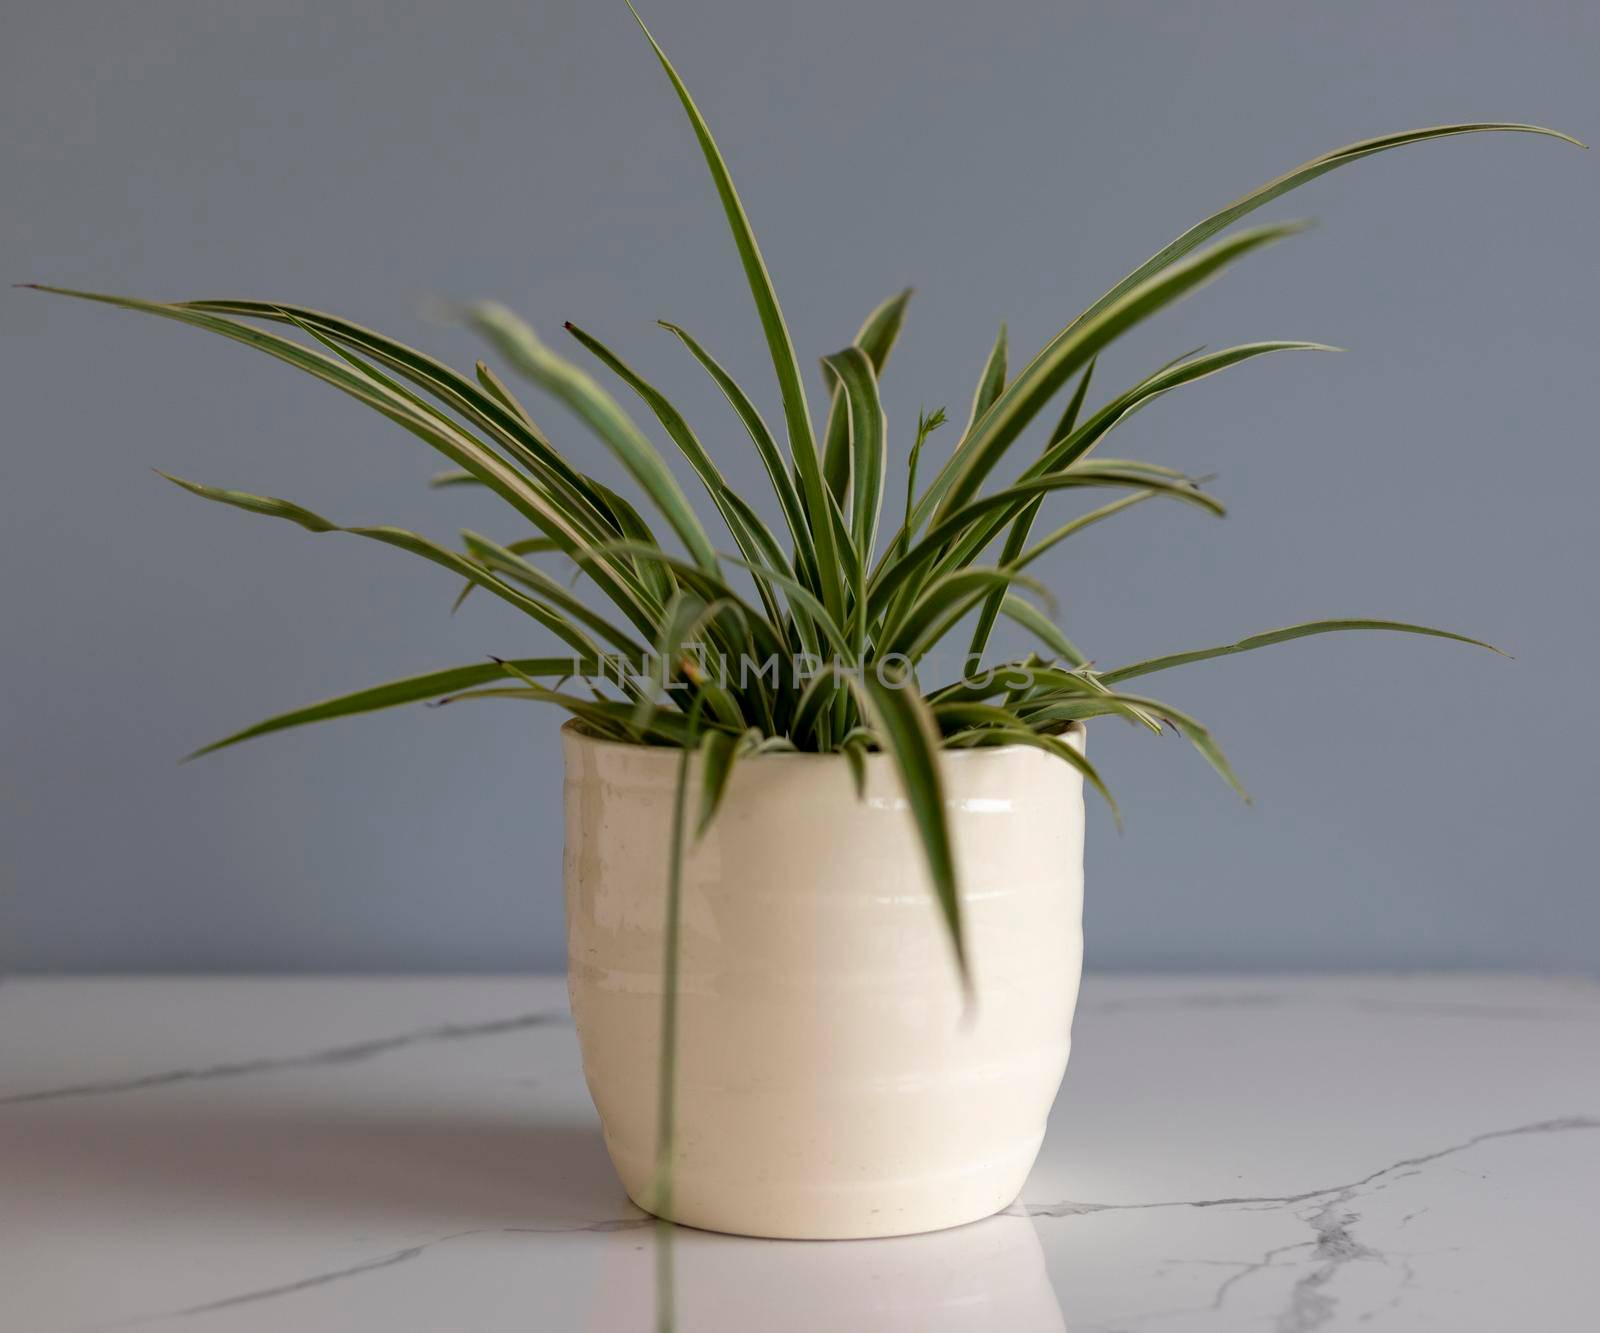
[1419, 804]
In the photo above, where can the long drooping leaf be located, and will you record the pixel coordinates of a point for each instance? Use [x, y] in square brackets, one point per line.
[876, 338]
[488, 406]
[608, 718]
[1153, 664]
[555, 519]
[507, 562]
[1192, 731]
[412, 689]
[405, 541]
[522, 546]
[906, 729]
[522, 347]
[719, 752]
[796, 412]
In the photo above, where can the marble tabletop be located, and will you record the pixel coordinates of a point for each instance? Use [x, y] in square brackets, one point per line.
[1290, 1154]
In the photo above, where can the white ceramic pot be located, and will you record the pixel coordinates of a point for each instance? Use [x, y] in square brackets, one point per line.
[829, 1085]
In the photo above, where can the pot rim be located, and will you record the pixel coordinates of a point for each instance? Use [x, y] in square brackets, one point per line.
[574, 729]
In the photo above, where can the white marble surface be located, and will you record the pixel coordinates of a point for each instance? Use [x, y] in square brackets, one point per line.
[223, 1156]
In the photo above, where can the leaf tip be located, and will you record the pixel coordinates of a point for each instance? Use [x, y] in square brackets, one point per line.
[969, 1003]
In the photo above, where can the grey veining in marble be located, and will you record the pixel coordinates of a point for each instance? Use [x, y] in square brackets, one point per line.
[234, 1156]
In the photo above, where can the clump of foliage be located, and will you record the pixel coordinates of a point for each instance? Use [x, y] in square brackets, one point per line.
[853, 579]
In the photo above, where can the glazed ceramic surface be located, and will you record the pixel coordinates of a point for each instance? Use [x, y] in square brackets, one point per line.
[829, 1082]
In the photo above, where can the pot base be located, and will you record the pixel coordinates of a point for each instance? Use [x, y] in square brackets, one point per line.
[871, 1210]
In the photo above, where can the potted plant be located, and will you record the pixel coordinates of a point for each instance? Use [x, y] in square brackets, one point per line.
[824, 886]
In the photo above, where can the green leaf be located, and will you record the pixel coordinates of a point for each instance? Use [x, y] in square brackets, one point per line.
[519, 344]
[1154, 664]
[412, 689]
[869, 458]
[671, 419]
[806, 603]
[815, 700]
[558, 517]
[1041, 627]
[789, 500]
[802, 442]
[452, 477]
[405, 541]
[1068, 352]
[688, 618]
[719, 752]
[1022, 525]
[876, 338]
[927, 423]
[1069, 418]
[1072, 442]
[908, 732]
[712, 588]
[1078, 524]
[954, 541]
[522, 546]
[630, 523]
[945, 600]
[486, 405]
[854, 749]
[1203, 230]
[990, 384]
[502, 395]
[507, 562]
[1072, 445]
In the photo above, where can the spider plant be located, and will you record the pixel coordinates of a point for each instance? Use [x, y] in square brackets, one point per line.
[861, 585]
